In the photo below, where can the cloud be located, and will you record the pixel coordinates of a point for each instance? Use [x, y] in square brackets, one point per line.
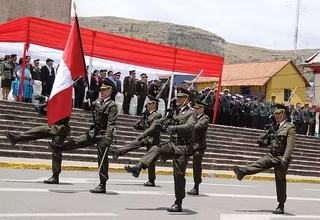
[250, 22]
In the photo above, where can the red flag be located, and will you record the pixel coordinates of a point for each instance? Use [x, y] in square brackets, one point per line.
[72, 65]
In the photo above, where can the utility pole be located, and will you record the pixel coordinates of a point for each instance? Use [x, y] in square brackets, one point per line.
[296, 29]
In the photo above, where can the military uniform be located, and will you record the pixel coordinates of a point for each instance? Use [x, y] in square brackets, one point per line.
[58, 132]
[200, 133]
[101, 133]
[179, 147]
[297, 119]
[255, 114]
[129, 89]
[148, 138]
[281, 146]
[141, 93]
[312, 122]
[263, 110]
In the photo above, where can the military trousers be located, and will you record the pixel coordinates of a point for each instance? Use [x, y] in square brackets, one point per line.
[268, 162]
[197, 165]
[89, 139]
[141, 100]
[134, 145]
[58, 133]
[126, 104]
[180, 158]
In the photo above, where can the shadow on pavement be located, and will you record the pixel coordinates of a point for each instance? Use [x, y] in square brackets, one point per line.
[184, 211]
[134, 184]
[264, 211]
[26, 181]
[67, 191]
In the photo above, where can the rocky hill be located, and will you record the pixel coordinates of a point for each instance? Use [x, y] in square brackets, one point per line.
[190, 38]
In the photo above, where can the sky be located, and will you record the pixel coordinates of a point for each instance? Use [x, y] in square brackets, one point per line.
[262, 23]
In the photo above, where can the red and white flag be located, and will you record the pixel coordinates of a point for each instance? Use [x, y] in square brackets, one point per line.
[72, 65]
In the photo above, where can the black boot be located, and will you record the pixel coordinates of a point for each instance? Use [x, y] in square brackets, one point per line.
[135, 170]
[52, 180]
[55, 148]
[194, 191]
[279, 210]
[240, 172]
[150, 184]
[12, 138]
[101, 188]
[175, 208]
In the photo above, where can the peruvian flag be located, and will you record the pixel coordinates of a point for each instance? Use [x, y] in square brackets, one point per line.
[72, 65]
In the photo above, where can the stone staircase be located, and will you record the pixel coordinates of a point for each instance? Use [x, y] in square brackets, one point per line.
[227, 146]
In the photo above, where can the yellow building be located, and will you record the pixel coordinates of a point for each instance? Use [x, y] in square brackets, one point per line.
[279, 78]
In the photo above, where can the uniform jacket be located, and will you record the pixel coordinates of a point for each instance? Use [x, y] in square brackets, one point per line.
[271, 107]
[153, 135]
[297, 115]
[284, 140]
[263, 109]
[105, 115]
[142, 89]
[200, 131]
[129, 86]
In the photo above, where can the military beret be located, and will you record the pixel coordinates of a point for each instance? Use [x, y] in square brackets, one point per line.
[280, 108]
[143, 75]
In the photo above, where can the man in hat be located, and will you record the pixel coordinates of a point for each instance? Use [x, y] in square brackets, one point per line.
[297, 118]
[58, 132]
[148, 138]
[180, 146]
[225, 107]
[101, 133]
[118, 75]
[312, 120]
[154, 88]
[47, 77]
[271, 105]
[255, 112]
[281, 143]
[129, 89]
[36, 70]
[264, 113]
[200, 133]
[305, 119]
[141, 92]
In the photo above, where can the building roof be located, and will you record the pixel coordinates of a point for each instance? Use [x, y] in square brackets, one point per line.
[315, 58]
[250, 74]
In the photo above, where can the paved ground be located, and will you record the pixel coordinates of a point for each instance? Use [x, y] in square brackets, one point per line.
[24, 196]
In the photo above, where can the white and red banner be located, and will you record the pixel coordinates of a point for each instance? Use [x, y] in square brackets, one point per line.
[72, 65]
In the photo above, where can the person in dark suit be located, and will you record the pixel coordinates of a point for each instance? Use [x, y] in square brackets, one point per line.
[129, 89]
[95, 84]
[142, 92]
[118, 75]
[47, 77]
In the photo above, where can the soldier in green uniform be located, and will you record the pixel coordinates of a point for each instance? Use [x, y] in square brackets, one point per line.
[148, 138]
[180, 146]
[58, 132]
[101, 133]
[281, 141]
[200, 133]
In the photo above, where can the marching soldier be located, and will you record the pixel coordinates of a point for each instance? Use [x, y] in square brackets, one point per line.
[200, 133]
[141, 92]
[281, 142]
[101, 133]
[180, 146]
[148, 138]
[58, 132]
